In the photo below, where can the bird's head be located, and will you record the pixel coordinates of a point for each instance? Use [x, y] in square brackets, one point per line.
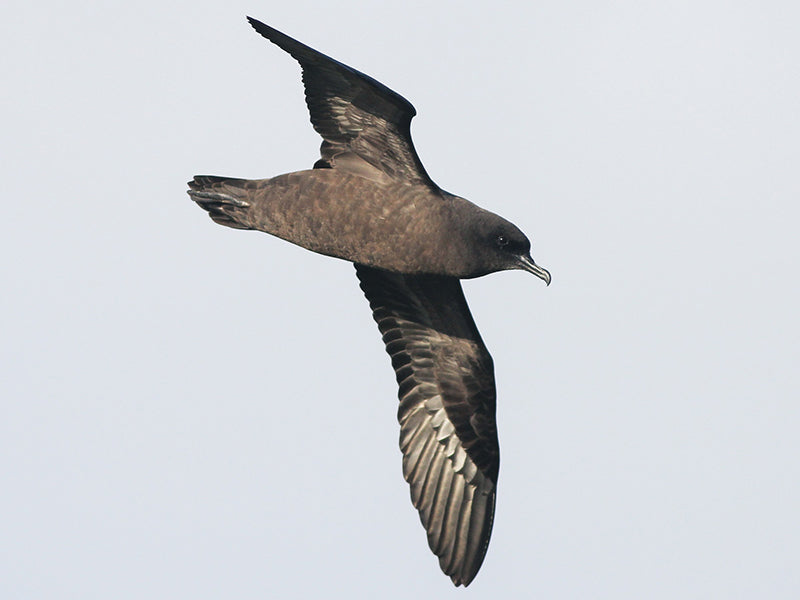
[502, 246]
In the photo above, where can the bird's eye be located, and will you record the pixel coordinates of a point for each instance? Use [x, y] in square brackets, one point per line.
[502, 241]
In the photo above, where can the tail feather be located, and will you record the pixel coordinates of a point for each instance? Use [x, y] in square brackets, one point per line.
[225, 199]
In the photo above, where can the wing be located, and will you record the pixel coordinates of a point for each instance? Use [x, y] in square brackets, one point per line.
[448, 433]
[359, 119]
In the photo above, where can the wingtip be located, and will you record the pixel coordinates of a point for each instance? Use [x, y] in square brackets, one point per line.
[462, 580]
[258, 25]
[280, 39]
[262, 28]
[463, 577]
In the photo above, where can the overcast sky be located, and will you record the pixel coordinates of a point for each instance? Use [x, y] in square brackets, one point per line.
[190, 411]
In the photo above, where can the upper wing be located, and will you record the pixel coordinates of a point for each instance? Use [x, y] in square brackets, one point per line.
[447, 411]
[359, 118]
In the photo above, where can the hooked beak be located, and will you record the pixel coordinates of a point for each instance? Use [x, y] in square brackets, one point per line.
[526, 264]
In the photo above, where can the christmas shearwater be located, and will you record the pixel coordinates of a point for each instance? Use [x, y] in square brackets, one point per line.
[369, 200]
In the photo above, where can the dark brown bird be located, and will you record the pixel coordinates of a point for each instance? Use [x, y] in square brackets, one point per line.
[369, 200]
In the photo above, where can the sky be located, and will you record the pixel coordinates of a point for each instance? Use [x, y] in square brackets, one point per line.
[191, 411]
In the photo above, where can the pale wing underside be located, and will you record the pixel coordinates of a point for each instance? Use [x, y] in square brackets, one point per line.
[447, 411]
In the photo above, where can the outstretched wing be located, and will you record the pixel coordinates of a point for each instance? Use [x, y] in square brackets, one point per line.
[359, 119]
[448, 433]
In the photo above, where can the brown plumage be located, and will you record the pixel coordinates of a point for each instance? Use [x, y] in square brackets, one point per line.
[369, 200]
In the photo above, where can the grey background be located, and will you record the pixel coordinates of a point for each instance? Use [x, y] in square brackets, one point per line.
[195, 412]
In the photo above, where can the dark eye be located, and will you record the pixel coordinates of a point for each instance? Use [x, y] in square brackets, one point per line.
[502, 241]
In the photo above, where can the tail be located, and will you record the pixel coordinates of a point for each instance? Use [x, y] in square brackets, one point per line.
[225, 199]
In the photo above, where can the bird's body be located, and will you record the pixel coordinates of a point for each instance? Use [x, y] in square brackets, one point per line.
[411, 228]
[369, 200]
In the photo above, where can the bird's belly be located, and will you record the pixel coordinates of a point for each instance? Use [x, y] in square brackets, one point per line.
[349, 217]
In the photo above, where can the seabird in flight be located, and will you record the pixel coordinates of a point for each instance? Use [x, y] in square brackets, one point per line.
[368, 200]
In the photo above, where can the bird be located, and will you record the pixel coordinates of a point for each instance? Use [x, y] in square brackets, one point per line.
[369, 200]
